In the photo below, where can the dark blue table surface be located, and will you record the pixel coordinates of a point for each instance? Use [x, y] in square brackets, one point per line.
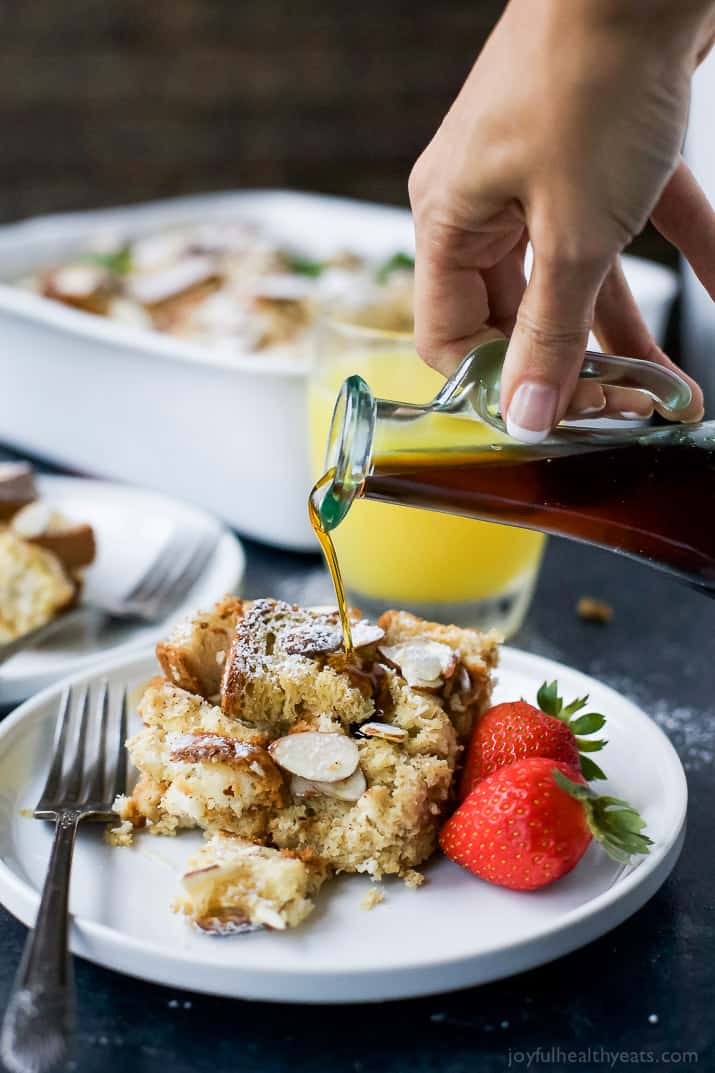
[641, 996]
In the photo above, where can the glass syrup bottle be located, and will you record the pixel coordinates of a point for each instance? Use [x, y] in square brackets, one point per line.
[645, 492]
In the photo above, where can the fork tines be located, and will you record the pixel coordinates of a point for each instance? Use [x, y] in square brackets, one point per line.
[88, 767]
[173, 573]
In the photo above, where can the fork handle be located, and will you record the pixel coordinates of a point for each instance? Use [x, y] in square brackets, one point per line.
[38, 1022]
[43, 633]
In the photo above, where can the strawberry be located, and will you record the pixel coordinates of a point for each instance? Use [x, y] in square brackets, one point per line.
[511, 731]
[529, 823]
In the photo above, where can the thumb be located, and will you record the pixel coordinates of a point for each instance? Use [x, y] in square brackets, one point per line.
[547, 346]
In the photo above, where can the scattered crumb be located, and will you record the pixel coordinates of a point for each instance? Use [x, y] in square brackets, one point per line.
[412, 878]
[121, 835]
[593, 610]
[373, 897]
[26, 813]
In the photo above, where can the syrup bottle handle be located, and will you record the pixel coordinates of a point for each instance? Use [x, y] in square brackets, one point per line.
[669, 391]
[481, 370]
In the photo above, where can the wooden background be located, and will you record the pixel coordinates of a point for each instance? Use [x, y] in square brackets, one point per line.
[110, 101]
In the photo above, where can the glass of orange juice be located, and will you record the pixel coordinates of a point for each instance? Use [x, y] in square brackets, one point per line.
[439, 566]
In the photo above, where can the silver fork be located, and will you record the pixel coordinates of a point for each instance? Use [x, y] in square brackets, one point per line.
[166, 581]
[86, 774]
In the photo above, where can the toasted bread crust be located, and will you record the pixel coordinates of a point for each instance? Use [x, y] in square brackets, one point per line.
[74, 546]
[17, 488]
[253, 637]
[197, 746]
[193, 656]
[270, 681]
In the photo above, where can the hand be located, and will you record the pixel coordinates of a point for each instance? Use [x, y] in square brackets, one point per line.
[567, 134]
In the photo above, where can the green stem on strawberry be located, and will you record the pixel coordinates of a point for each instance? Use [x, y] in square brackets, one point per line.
[549, 701]
[611, 821]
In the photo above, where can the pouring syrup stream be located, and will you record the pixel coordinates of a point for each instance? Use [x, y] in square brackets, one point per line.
[328, 548]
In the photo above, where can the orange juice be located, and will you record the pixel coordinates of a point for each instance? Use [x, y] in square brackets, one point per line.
[400, 555]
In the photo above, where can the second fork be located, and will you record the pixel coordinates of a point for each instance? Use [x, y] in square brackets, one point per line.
[165, 583]
[87, 771]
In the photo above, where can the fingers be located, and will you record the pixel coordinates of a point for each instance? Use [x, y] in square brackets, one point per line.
[451, 304]
[621, 330]
[588, 400]
[686, 218]
[547, 346]
[465, 260]
[505, 284]
[627, 402]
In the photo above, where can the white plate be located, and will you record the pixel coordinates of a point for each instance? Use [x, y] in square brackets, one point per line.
[453, 932]
[131, 525]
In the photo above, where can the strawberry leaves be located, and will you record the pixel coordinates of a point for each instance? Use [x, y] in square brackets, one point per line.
[551, 703]
[590, 769]
[586, 724]
[611, 821]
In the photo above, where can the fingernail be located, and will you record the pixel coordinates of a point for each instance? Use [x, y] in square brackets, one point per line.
[532, 411]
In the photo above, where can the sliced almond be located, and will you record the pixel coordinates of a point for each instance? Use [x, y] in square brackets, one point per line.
[383, 730]
[432, 685]
[74, 545]
[366, 633]
[266, 916]
[226, 922]
[33, 520]
[316, 638]
[424, 664]
[158, 287]
[154, 252]
[200, 880]
[464, 682]
[316, 755]
[350, 789]
[77, 281]
[300, 787]
[130, 313]
[322, 637]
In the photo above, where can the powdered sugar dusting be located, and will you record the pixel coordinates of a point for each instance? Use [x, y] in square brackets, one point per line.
[312, 638]
[690, 729]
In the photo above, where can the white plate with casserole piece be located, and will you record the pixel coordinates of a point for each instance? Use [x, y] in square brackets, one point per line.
[454, 931]
[131, 525]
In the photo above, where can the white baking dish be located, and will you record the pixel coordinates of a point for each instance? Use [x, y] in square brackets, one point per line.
[228, 434]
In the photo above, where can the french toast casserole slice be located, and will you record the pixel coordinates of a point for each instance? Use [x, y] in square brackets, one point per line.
[296, 761]
[42, 555]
